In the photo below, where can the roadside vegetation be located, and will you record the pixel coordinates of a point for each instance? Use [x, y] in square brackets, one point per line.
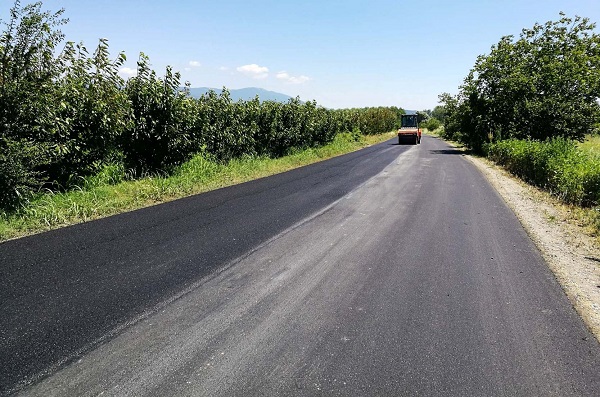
[111, 191]
[531, 105]
[77, 141]
[557, 165]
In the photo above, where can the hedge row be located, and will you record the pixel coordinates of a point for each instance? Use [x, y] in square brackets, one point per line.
[65, 115]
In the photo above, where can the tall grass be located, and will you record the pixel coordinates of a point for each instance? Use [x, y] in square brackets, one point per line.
[591, 144]
[558, 165]
[568, 170]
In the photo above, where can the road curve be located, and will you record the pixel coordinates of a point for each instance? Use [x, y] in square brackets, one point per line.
[413, 280]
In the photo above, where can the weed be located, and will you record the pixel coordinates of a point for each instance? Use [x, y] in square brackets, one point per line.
[568, 170]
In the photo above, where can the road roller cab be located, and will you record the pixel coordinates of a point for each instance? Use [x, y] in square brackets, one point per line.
[409, 131]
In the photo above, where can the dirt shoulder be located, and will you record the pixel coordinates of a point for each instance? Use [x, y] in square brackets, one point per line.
[572, 255]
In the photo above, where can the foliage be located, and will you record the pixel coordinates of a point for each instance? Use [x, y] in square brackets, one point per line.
[456, 112]
[66, 117]
[439, 113]
[112, 191]
[28, 70]
[557, 165]
[159, 133]
[18, 176]
[369, 121]
[431, 124]
[545, 84]
[423, 116]
[92, 111]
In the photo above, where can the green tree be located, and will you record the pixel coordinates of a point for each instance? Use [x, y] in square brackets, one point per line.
[423, 116]
[92, 112]
[159, 135]
[544, 84]
[28, 69]
[439, 112]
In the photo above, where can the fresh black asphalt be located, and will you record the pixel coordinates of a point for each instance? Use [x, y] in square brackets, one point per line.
[60, 291]
[420, 281]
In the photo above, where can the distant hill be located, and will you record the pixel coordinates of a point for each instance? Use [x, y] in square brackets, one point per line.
[244, 93]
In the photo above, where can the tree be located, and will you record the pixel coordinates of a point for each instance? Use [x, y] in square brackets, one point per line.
[28, 69]
[423, 115]
[92, 112]
[545, 84]
[439, 112]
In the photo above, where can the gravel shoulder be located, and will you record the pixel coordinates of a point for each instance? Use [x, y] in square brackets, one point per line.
[572, 255]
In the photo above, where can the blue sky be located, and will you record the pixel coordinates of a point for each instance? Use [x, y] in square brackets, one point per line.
[340, 53]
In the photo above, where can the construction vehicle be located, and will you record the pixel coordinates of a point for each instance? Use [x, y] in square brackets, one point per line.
[409, 131]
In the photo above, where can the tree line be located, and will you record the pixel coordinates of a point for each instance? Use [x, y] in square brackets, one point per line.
[527, 103]
[543, 84]
[67, 114]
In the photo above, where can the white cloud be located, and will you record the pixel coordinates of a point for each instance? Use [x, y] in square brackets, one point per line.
[195, 64]
[254, 71]
[224, 68]
[285, 76]
[127, 72]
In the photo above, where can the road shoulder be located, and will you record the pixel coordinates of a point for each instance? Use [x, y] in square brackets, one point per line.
[572, 255]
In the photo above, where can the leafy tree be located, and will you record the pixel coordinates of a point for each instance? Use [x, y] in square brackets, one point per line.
[544, 84]
[422, 116]
[28, 68]
[93, 111]
[439, 113]
[159, 135]
[431, 124]
[457, 115]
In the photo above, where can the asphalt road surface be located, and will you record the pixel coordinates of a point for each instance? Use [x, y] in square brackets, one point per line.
[395, 270]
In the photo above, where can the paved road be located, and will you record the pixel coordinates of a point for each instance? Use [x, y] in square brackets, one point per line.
[62, 292]
[396, 270]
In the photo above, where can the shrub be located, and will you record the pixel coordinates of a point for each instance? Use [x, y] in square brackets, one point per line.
[158, 136]
[92, 113]
[67, 119]
[431, 124]
[19, 179]
[556, 165]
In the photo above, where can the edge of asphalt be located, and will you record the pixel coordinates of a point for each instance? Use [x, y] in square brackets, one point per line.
[571, 254]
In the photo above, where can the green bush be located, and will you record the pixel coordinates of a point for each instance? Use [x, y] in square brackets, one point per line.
[67, 120]
[431, 124]
[556, 165]
[92, 111]
[158, 136]
[19, 179]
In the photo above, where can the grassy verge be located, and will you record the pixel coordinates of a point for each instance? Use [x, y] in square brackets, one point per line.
[567, 170]
[589, 217]
[109, 192]
[591, 144]
[559, 166]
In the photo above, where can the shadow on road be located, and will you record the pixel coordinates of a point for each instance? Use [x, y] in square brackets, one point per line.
[448, 151]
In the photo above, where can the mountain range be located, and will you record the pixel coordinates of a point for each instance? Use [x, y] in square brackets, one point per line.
[250, 93]
[244, 94]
